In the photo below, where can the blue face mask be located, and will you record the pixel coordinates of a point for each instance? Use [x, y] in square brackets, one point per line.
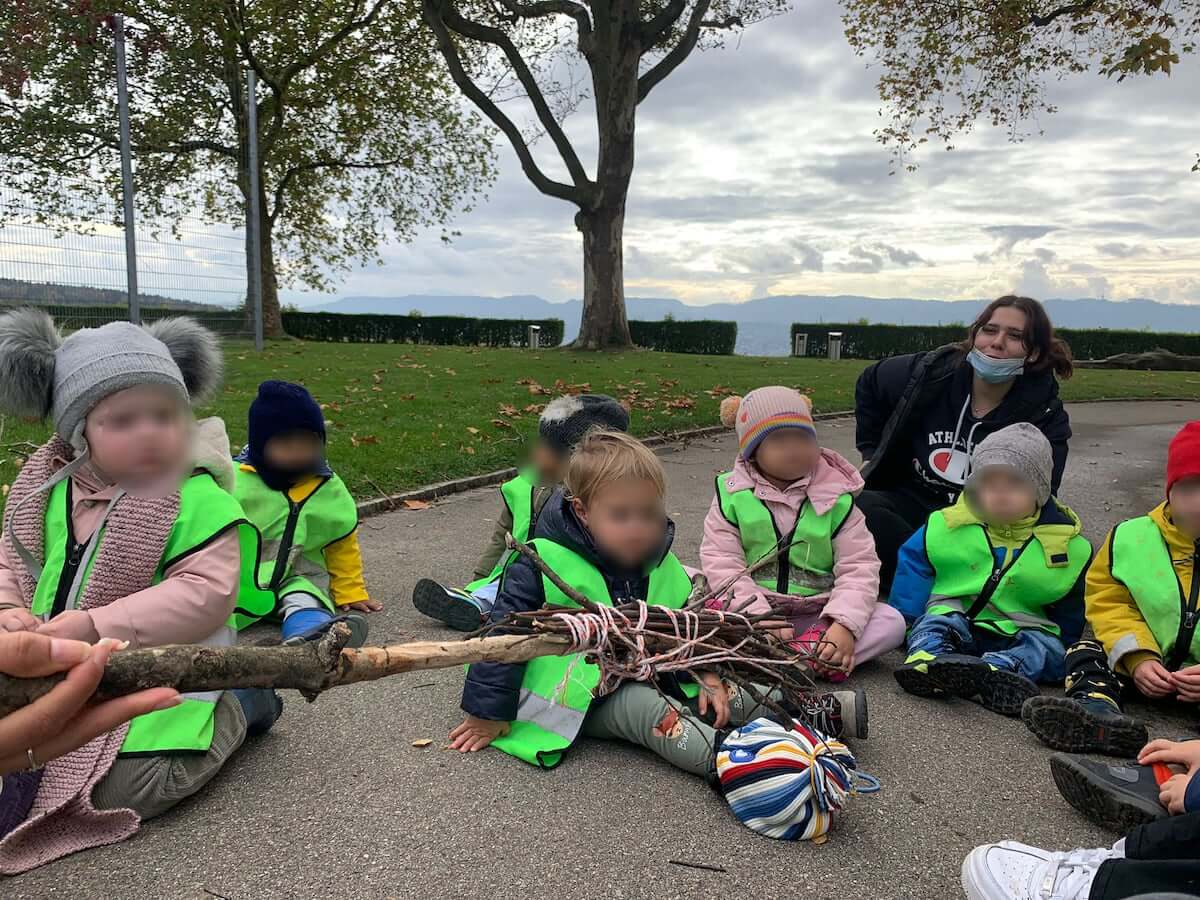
[995, 371]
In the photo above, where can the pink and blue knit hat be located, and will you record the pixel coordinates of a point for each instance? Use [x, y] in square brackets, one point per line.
[787, 783]
[764, 410]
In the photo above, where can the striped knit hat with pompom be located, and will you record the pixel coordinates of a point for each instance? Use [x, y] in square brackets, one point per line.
[786, 783]
[764, 410]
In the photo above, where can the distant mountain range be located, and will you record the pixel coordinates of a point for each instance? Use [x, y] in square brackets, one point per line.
[763, 324]
[15, 292]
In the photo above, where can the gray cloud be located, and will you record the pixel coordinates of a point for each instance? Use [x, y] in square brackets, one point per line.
[1008, 236]
[811, 259]
[863, 262]
[902, 257]
[1121, 251]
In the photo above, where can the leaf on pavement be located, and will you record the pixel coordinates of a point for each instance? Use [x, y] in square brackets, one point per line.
[423, 742]
[417, 504]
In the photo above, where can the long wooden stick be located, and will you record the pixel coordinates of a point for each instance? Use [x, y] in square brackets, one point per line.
[309, 668]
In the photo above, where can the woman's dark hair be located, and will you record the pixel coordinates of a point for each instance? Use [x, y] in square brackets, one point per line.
[1052, 353]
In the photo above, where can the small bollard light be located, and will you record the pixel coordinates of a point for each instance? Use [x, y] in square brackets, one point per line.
[835, 345]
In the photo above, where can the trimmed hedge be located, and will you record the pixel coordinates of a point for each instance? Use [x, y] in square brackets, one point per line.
[706, 336]
[880, 341]
[384, 329]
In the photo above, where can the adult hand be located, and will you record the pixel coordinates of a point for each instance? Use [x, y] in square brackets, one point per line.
[1173, 792]
[63, 719]
[1187, 684]
[715, 696]
[73, 624]
[18, 620]
[1153, 680]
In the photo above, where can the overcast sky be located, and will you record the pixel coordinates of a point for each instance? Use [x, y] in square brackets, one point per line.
[758, 173]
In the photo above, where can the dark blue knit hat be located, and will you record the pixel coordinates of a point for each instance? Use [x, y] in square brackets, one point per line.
[279, 408]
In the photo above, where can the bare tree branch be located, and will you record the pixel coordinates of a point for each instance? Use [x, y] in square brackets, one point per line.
[545, 184]
[657, 27]
[678, 54]
[449, 16]
[1068, 10]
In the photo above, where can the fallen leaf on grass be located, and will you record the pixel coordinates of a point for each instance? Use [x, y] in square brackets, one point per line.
[472, 429]
[507, 409]
[500, 423]
[538, 391]
[417, 504]
[681, 403]
[534, 408]
[355, 440]
[407, 397]
[451, 372]
[423, 742]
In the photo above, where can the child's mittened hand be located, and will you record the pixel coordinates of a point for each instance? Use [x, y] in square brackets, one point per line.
[475, 734]
[365, 606]
[74, 624]
[837, 647]
[1187, 683]
[1172, 793]
[715, 696]
[1153, 680]
[18, 620]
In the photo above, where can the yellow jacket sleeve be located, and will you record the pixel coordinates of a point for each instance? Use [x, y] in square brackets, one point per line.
[343, 559]
[1114, 616]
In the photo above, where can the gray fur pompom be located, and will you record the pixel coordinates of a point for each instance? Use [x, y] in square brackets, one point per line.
[28, 340]
[196, 351]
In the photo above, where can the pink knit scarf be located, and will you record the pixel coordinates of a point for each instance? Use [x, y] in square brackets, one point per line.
[62, 820]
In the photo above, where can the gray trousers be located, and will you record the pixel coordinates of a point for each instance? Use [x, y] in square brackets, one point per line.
[639, 714]
[151, 785]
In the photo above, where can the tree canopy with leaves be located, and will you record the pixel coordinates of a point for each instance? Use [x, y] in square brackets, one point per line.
[361, 137]
[946, 65]
[501, 51]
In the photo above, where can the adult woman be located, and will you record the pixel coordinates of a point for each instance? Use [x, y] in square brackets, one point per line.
[919, 416]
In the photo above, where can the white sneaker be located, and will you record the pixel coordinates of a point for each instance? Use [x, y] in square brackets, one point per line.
[1012, 871]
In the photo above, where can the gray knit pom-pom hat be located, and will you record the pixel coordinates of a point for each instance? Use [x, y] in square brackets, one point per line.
[43, 374]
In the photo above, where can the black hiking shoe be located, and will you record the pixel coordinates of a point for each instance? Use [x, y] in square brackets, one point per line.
[451, 606]
[356, 622]
[1084, 726]
[973, 679]
[914, 676]
[1118, 797]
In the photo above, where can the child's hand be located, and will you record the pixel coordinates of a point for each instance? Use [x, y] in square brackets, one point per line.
[1172, 792]
[1153, 680]
[74, 624]
[475, 734]
[18, 620]
[1187, 683]
[365, 606]
[837, 647]
[1171, 753]
[715, 696]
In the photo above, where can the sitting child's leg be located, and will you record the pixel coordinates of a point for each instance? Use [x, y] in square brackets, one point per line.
[1037, 655]
[458, 608]
[151, 785]
[930, 637]
[1089, 719]
[306, 618]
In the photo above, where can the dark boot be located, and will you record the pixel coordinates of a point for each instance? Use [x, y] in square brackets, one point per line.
[451, 606]
[1089, 718]
[970, 677]
[1118, 797]
[914, 675]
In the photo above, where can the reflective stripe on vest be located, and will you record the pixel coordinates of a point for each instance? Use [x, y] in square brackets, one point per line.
[205, 513]
[963, 561]
[518, 497]
[809, 561]
[296, 533]
[1141, 560]
[557, 690]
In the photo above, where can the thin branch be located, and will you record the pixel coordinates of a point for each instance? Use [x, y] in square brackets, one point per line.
[657, 27]
[1068, 10]
[678, 54]
[542, 8]
[488, 107]
[477, 31]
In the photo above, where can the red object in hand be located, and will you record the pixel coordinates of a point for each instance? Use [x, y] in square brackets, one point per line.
[1162, 773]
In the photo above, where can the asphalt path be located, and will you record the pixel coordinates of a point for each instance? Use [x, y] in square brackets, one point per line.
[337, 802]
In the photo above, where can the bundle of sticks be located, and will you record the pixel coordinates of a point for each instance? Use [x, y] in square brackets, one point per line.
[629, 641]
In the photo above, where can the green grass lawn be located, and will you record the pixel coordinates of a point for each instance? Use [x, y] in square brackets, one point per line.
[402, 416]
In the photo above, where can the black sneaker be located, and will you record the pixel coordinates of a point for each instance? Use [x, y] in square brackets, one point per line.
[356, 622]
[1077, 726]
[1118, 797]
[451, 606]
[914, 676]
[970, 677]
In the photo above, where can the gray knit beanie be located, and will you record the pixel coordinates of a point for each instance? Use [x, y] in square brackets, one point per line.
[565, 420]
[43, 374]
[1021, 447]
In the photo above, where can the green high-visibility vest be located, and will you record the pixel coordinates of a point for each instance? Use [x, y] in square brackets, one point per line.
[807, 567]
[556, 691]
[1141, 560]
[518, 497]
[205, 513]
[296, 533]
[1008, 597]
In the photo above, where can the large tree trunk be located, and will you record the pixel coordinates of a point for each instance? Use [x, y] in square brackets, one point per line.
[603, 323]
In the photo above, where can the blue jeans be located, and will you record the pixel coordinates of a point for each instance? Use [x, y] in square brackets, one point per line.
[1030, 652]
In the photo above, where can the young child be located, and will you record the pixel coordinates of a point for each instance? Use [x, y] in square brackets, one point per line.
[561, 426]
[993, 586]
[307, 518]
[788, 496]
[1142, 604]
[609, 537]
[123, 526]
[1156, 858]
